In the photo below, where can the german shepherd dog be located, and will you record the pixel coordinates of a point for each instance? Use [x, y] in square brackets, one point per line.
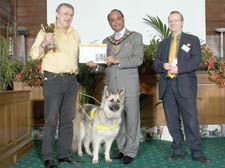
[98, 124]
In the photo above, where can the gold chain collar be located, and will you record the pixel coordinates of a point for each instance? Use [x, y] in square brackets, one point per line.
[117, 42]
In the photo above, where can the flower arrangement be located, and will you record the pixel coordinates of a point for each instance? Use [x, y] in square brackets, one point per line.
[206, 53]
[216, 70]
[145, 92]
[214, 65]
[31, 74]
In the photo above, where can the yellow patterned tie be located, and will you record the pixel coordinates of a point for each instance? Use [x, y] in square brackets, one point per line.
[172, 55]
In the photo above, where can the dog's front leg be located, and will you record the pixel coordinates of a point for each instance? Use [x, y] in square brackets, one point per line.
[96, 150]
[87, 142]
[79, 144]
[108, 145]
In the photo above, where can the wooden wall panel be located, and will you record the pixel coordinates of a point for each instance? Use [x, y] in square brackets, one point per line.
[215, 15]
[15, 126]
[2, 126]
[37, 102]
[38, 3]
[211, 101]
[9, 124]
[6, 15]
[215, 18]
[30, 14]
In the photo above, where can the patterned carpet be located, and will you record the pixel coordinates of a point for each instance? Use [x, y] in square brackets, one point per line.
[152, 154]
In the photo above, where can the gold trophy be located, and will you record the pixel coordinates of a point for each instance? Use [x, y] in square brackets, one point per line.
[49, 29]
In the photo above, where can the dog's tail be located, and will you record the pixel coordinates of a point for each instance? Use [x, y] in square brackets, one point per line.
[78, 131]
[75, 140]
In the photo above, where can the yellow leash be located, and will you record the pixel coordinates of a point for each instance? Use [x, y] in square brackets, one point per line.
[99, 126]
[83, 108]
[90, 97]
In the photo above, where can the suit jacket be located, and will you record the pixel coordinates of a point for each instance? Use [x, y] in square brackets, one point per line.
[188, 62]
[125, 75]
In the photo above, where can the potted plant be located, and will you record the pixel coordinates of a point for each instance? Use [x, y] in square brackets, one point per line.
[150, 50]
[9, 66]
[215, 66]
[149, 56]
[87, 80]
[31, 74]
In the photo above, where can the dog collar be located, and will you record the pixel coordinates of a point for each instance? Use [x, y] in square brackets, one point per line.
[103, 127]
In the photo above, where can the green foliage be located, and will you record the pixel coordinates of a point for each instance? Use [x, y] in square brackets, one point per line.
[150, 50]
[83, 76]
[9, 66]
[156, 23]
[87, 80]
[206, 54]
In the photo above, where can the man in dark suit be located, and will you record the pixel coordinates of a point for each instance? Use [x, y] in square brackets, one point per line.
[176, 60]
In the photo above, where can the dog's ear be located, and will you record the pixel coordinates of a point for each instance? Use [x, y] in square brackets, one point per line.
[122, 92]
[107, 91]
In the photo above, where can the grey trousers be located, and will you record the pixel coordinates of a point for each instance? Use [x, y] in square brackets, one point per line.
[128, 138]
[60, 93]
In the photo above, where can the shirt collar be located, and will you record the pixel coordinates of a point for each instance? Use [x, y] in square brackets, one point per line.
[122, 32]
[178, 36]
[68, 30]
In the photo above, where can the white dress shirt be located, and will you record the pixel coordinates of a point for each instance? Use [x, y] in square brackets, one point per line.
[118, 35]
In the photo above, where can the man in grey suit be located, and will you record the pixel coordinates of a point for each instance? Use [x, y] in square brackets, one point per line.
[125, 52]
[176, 60]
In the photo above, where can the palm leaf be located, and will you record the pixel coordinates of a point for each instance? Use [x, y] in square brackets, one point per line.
[158, 25]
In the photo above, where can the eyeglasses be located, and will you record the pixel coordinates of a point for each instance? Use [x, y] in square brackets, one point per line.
[173, 21]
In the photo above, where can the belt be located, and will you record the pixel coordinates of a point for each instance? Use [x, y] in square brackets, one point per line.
[59, 74]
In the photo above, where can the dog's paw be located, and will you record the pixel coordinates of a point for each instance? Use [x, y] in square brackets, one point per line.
[80, 154]
[108, 160]
[95, 161]
[90, 154]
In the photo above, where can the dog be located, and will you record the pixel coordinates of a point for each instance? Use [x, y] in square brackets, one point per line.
[98, 124]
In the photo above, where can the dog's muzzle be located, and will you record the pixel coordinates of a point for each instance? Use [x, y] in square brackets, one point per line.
[114, 107]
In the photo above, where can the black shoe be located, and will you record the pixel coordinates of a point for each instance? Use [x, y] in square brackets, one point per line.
[174, 157]
[201, 159]
[127, 160]
[50, 164]
[118, 156]
[70, 160]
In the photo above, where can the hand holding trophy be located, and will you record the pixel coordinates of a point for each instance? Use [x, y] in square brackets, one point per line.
[49, 29]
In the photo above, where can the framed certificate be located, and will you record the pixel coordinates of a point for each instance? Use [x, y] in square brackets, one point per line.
[92, 52]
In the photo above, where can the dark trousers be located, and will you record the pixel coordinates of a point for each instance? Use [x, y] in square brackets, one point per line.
[60, 93]
[175, 107]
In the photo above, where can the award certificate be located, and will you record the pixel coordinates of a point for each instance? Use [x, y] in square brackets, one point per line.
[92, 52]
